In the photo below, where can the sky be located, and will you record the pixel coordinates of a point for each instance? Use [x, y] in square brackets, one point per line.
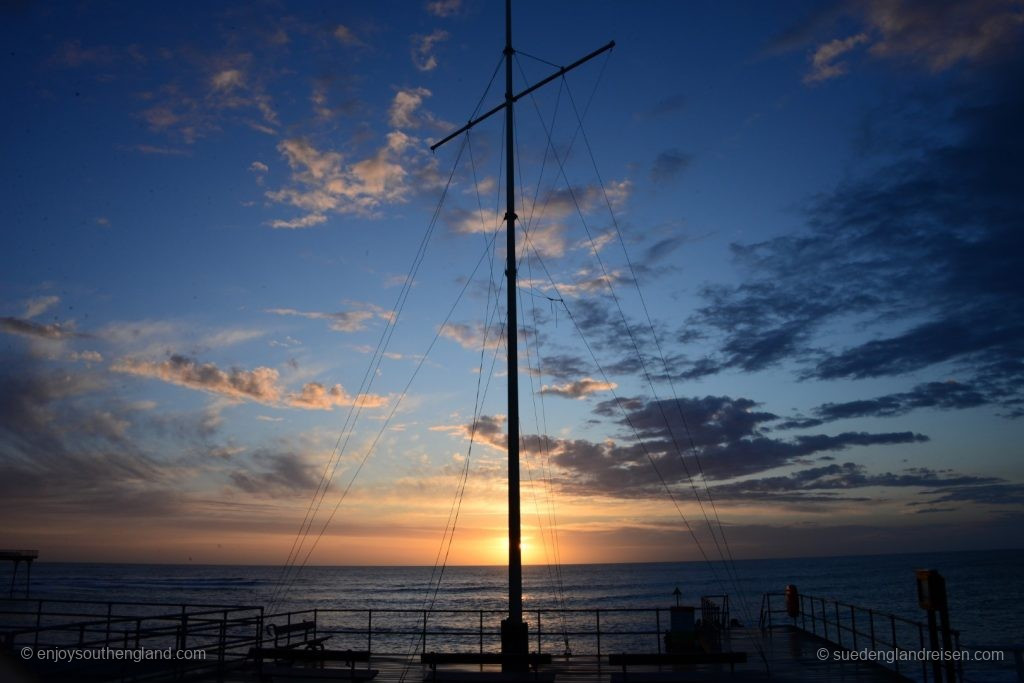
[769, 257]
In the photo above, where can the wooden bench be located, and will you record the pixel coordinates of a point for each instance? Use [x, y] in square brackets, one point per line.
[293, 655]
[671, 659]
[304, 631]
[533, 661]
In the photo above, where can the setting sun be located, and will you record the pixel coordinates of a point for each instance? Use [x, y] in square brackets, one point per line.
[498, 551]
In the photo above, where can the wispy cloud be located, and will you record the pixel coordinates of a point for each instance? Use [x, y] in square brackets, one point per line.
[444, 8]
[322, 182]
[578, 389]
[261, 384]
[402, 113]
[344, 35]
[39, 305]
[30, 328]
[340, 321]
[423, 46]
[824, 61]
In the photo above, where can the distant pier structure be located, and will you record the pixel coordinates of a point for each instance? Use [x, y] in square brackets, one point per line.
[17, 557]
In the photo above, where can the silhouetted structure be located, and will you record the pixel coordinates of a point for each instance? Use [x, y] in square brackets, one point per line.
[17, 557]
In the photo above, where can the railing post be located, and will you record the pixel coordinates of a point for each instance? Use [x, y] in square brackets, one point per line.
[369, 630]
[853, 625]
[184, 628]
[222, 647]
[259, 629]
[424, 631]
[39, 620]
[839, 627]
[106, 638]
[539, 646]
[481, 631]
[895, 647]
[598, 613]
[824, 617]
[924, 663]
[657, 627]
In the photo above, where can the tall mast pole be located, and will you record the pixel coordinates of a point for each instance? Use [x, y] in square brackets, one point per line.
[515, 559]
[514, 639]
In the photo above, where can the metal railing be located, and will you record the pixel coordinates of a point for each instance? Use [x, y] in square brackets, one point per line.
[228, 632]
[555, 631]
[224, 633]
[853, 627]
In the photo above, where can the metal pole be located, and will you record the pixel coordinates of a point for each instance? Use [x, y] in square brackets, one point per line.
[514, 643]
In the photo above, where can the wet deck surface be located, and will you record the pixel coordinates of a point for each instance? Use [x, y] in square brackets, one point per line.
[791, 658]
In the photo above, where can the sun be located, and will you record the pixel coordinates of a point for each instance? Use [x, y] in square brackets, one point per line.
[499, 550]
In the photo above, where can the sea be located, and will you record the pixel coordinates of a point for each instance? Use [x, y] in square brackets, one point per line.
[985, 588]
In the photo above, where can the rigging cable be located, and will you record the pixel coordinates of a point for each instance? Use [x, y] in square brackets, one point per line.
[608, 281]
[367, 381]
[668, 374]
[557, 579]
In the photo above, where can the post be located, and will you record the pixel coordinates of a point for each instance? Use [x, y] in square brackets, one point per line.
[513, 630]
[931, 596]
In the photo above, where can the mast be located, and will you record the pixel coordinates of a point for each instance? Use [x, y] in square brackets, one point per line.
[514, 640]
[515, 556]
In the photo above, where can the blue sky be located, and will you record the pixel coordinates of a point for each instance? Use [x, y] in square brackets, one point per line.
[212, 212]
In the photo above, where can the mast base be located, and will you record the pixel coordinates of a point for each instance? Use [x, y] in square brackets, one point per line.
[514, 641]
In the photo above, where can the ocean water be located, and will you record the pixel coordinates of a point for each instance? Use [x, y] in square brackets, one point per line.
[986, 589]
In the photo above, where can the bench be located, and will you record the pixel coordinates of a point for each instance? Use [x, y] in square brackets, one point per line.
[292, 655]
[671, 659]
[304, 631]
[532, 660]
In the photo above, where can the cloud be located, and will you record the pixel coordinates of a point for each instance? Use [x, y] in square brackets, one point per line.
[64, 449]
[444, 8]
[258, 167]
[227, 80]
[404, 106]
[920, 256]
[316, 396]
[161, 151]
[344, 35]
[276, 475]
[729, 433]
[949, 395]
[946, 33]
[29, 328]
[341, 321]
[824, 64]
[578, 389]
[87, 356]
[423, 57]
[938, 35]
[322, 182]
[307, 221]
[206, 91]
[39, 305]
[668, 165]
[472, 337]
[260, 385]
[834, 483]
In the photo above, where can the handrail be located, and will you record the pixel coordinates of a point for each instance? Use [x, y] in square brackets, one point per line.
[825, 613]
